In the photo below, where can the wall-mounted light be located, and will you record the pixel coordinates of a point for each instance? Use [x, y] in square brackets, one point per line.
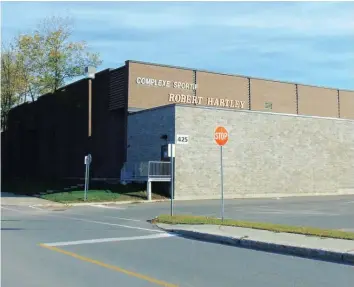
[90, 72]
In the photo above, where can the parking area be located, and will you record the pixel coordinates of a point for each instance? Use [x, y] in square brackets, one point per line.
[115, 245]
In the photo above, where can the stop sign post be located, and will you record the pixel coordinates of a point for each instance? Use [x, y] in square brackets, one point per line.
[221, 137]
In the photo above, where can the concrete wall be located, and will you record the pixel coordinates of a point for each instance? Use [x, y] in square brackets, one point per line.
[144, 131]
[267, 154]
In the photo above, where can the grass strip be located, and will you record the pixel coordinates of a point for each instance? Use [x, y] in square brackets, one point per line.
[77, 196]
[311, 231]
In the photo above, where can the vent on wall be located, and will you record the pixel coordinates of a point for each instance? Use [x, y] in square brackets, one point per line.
[117, 87]
[268, 106]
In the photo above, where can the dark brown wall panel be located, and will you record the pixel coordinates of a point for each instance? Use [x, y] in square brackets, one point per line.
[346, 99]
[108, 134]
[318, 101]
[273, 96]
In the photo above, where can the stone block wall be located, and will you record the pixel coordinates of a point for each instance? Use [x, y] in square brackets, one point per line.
[267, 155]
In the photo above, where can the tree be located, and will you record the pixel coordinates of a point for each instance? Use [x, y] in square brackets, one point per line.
[50, 58]
[13, 85]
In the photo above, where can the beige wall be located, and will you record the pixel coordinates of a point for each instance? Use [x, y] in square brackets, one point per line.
[281, 95]
[145, 96]
[346, 102]
[232, 92]
[211, 89]
[268, 154]
[316, 101]
[232, 88]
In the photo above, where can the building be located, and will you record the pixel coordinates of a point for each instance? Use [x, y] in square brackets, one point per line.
[267, 155]
[49, 138]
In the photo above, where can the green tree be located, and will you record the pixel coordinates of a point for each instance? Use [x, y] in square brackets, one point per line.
[50, 58]
[13, 84]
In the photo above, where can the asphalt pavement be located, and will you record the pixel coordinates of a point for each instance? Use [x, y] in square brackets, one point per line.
[116, 246]
[333, 212]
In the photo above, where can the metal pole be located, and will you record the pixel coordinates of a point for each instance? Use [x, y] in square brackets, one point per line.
[86, 181]
[89, 107]
[222, 186]
[88, 173]
[172, 184]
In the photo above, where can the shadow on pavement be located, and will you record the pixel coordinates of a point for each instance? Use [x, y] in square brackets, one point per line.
[284, 252]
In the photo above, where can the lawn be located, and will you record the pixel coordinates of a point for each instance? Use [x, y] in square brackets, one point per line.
[312, 231]
[96, 196]
[78, 196]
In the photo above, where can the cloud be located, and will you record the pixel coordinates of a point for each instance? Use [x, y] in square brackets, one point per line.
[325, 18]
[309, 42]
[304, 18]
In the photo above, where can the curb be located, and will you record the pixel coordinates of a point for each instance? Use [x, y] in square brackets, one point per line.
[326, 255]
[98, 202]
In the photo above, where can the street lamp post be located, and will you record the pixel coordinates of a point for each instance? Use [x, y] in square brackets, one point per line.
[90, 72]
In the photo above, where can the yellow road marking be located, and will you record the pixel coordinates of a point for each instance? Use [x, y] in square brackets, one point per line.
[112, 267]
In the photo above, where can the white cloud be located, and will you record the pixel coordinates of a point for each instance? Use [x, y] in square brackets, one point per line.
[309, 18]
[265, 39]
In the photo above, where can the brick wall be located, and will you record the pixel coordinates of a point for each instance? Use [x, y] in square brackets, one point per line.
[267, 154]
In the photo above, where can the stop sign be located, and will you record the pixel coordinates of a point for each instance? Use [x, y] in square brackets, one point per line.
[221, 136]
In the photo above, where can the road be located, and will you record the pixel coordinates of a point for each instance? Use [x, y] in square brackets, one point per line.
[96, 246]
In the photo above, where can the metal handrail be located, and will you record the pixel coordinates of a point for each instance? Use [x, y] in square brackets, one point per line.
[150, 169]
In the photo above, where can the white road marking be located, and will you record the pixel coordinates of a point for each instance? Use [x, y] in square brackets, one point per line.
[123, 218]
[93, 221]
[35, 207]
[113, 224]
[16, 210]
[105, 206]
[91, 241]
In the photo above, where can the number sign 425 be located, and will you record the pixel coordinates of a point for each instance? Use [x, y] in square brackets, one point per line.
[182, 139]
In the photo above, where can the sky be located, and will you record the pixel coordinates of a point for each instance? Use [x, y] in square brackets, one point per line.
[304, 42]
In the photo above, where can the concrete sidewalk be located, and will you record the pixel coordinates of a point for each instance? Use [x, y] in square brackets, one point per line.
[23, 200]
[335, 250]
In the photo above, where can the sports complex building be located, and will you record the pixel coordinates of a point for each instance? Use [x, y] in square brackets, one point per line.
[284, 138]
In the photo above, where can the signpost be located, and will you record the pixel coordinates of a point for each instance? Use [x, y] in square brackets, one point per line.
[88, 160]
[221, 137]
[171, 155]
